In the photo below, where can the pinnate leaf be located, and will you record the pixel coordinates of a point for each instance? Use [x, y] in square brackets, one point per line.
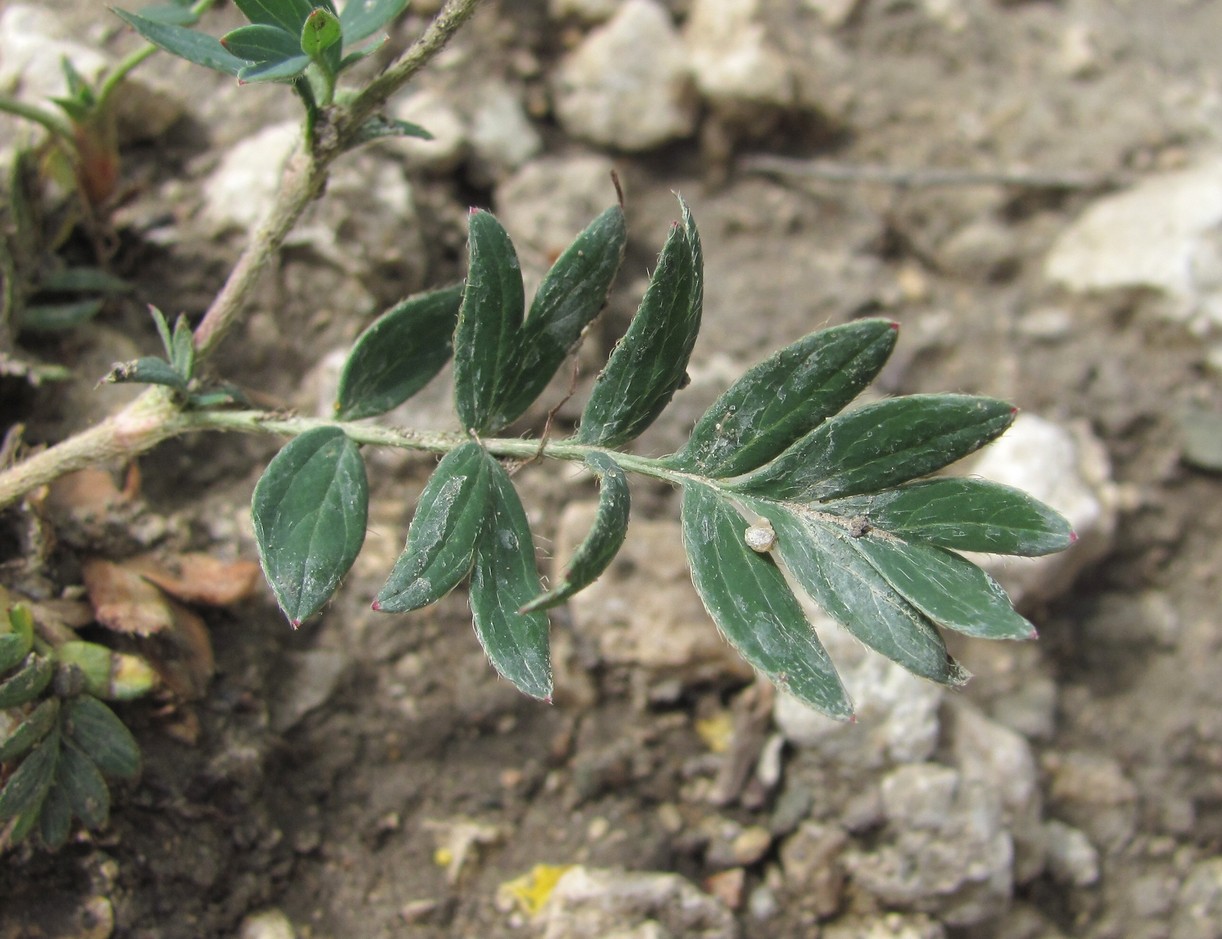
[600, 546]
[649, 363]
[746, 595]
[504, 579]
[310, 509]
[449, 520]
[786, 396]
[185, 43]
[963, 514]
[398, 354]
[94, 728]
[822, 560]
[486, 337]
[363, 18]
[879, 445]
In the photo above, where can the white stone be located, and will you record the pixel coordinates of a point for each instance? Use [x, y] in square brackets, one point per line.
[267, 924]
[241, 188]
[502, 136]
[627, 86]
[896, 712]
[1163, 234]
[587, 11]
[439, 117]
[732, 59]
[1072, 859]
[833, 12]
[589, 902]
[1068, 469]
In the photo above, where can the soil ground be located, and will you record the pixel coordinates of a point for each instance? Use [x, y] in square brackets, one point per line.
[336, 817]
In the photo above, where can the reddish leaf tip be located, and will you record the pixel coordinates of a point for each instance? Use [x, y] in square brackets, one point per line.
[1073, 537]
[376, 606]
[295, 623]
[852, 719]
[1013, 410]
[474, 210]
[895, 326]
[1034, 634]
[548, 699]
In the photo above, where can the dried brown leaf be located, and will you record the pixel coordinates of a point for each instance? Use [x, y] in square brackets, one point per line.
[199, 578]
[124, 601]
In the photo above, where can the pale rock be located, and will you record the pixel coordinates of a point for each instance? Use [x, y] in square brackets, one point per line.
[434, 112]
[36, 37]
[239, 191]
[1001, 760]
[1068, 469]
[1072, 859]
[886, 926]
[502, 136]
[643, 612]
[1091, 792]
[1163, 234]
[312, 678]
[628, 85]
[586, 11]
[267, 924]
[733, 61]
[896, 712]
[1198, 908]
[945, 850]
[810, 861]
[590, 902]
[834, 13]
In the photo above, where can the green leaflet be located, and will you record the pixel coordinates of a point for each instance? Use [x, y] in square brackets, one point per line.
[28, 682]
[572, 294]
[362, 18]
[600, 546]
[398, 354]
[822, 559]
[746, 595]
[649, 364]
[185, 43]
[879, 445]
[84, 787]
[309, 510]
[485, 340]
[503, 363]
[950, 590]
[281, 71]
[149, 370]
[786, 396]
[55, 818]
[260, 43]
[37, 725]
[94, 728]
[321, 33]
[503, 580]
[289, 15]
[26, 789]
[449, 519]
[964, 514]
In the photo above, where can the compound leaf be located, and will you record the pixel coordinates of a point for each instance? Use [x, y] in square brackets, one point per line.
[363, 18]
[185, 43]
[880, 445]
[310, 508]
[649, 363]
[786, 396]
[398, 354]
[93, 727]
[606, 537]
[572, 294]
[441, 539]
[947, 588]
[503, 580]
[485, 339]
[839, 579]
[963, 514]
[746, 595]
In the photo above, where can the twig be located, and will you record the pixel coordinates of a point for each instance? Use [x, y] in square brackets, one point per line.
[927, 177]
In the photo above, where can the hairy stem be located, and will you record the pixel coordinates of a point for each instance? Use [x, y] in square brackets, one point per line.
[153, 417]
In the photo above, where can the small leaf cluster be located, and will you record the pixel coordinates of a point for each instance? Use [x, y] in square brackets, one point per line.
[60, 746]
[176, 370]
[297, 42]
[843, 509]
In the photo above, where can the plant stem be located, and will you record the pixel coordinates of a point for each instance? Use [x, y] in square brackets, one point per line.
[45, 119]
[153, 417]
[263, 422]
